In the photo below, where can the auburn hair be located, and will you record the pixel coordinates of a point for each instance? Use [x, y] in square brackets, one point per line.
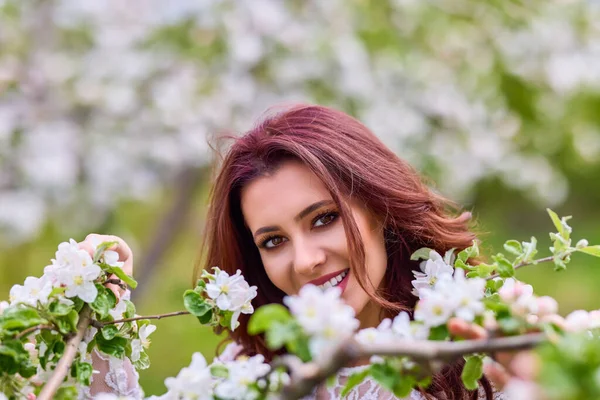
[353, 164]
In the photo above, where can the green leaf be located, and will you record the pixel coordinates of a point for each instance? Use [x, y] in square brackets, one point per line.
[129, 309]
[279, 334]
[67, 323]
[461, 264]
[469, 252]
[509, 325]
[530, 250]
[59, 309]
[354, 380]
[404, 385]
[102, 247]
[300, 347]
[449, 256]
[115, 346]
[10, 357]
[66, 393]
[104, 302]
[556, 221]
[19, 318]
[484, 270]
[83, 372]
[109, 331]
[266, 315]
[57, 290]
[514, 247]
[439, 333]
[591, 250]
[219, 371]
[118, 271]
[206, 318]
[143, 362]
[421, 254]
[195, 303]
[505, 267]
[472, 371]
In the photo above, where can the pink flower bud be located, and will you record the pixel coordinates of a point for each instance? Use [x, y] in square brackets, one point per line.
[546, 305]
[577, 321]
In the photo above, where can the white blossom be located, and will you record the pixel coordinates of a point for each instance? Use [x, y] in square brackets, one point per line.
[192, 383]
[578, 320]
[34, 290]
[433, 270]
[434, 308]
[403, 328]
[231, 293]
[138, 345]
[451, 296]
[3, 306]
[242, 373]
[322, 312]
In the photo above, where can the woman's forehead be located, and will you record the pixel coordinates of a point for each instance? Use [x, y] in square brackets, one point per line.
[282, 194]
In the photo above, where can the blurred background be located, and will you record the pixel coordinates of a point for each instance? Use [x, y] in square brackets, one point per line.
[108, 109]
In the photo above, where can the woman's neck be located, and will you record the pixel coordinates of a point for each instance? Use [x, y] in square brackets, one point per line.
[370, 316]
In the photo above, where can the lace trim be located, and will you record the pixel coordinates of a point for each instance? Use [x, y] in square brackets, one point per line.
[116, 379]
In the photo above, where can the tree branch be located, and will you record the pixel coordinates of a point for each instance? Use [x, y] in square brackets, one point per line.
[307, 376]
[64, 364]
[523, 264]
[33, 329]
[100, 325]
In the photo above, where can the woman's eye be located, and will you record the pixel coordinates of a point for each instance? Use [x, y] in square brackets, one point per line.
[325, 219]
[272, 242]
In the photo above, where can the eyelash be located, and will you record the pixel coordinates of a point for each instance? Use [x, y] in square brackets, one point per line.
[334, 214]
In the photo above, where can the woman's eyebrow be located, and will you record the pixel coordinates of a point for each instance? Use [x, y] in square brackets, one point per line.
[301, 215]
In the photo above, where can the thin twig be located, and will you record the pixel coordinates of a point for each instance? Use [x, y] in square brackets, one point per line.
[64, 364]
[99, 324]
[523, 264]
[307, 376]
[33, 329]
[117, 282]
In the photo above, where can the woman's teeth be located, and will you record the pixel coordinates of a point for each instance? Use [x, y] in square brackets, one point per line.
[333, 281]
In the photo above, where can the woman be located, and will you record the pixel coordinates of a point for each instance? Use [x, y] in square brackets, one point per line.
[310, 195]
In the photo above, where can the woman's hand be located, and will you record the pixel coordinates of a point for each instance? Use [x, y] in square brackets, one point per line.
[522, 365]
[125, 255]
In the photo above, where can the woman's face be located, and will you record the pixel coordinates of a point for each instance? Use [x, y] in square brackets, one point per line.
[296, 226]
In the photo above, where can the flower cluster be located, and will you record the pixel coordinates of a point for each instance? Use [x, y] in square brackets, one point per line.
[246, 378]
[230, 293]
[445, 292]
[47, 309]
[324, 316]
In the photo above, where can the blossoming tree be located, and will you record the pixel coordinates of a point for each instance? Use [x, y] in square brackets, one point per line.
[105, 101]
[53, 323]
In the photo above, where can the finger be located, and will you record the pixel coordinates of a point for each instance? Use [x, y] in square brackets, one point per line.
[464, 329]
[116, 289]
[496, 373]
[87, 246]
[525, 365]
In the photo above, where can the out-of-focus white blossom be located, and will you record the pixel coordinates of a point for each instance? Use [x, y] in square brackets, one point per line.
[192, 383]
[452, 295]
[242, 373]
[119, 113]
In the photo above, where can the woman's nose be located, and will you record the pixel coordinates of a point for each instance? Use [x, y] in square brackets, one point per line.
[308, 257]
